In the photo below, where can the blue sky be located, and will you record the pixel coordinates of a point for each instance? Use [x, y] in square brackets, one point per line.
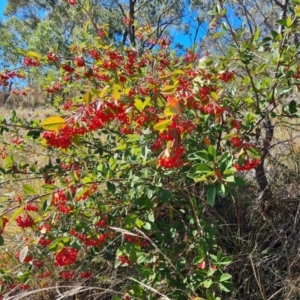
[2, 6]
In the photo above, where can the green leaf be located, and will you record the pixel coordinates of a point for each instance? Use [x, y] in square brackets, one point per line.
[255, 152]
[168, 89]
[33, 54]
[28, 189]
[285, 22]
[53, 123]
[229, 178]
[230, 171]
[130, 221]
[239, 181]
[224, 286]
[212, 151]
[162, 125]
[262, 67]
[139, 223]
[210, 295]
[211, 195]
[202, 168]
[116, 93]
[214, 95]
[178, 72]
[225, 277]
[111, 187]
[293, 107]
[140, 105]
[104, 91]
[147, 226]
[9, 162]
[207, 283]
[16, 213]
[87, 180]
[46, 204]
[1, 240]
[87, 98]
[256, 35]
[48, 187]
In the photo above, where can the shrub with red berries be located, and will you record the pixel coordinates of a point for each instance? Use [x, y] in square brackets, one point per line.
[134, 135]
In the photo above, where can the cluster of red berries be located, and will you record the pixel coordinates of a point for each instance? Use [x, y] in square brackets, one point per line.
[236, 141]
[236, 124]
[248, 164]
[67, 256]
[52, 56]
[68, 68]
[86, 275]
[212, 109]
[226, 76]
[164, 42]
[5, 76]
[67, 275]
[30, 62]
[44, 242]
[127, 21]
[191, 56]
[72, 2]
[56, 87]
[88, 240]
[124, 260]
[31, 207]
[102, 223]
[20, 92]
[172, 159]
[38, 263]
[94, 53]
[63, 138]
[79, 61]
[204, 92]
[146, 117]
[136, 240]
[43, 275]
[87, 193]
[59, 199]
[181, 125]
[24, 222]
[101, 33]
[67, 105]
[157, 145]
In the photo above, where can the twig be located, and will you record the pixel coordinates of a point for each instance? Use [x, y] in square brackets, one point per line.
[256, 278]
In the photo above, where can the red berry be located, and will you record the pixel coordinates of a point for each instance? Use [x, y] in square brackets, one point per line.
[72, 2]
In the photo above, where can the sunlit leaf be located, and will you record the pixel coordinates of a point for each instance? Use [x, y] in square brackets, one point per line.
[33, 54]
[214, 95]
[168, 89]
[104, 91]
[87, 98]
[16, 213]
[117, 89]
[28, 189]
[162, 125]
[53, 123]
